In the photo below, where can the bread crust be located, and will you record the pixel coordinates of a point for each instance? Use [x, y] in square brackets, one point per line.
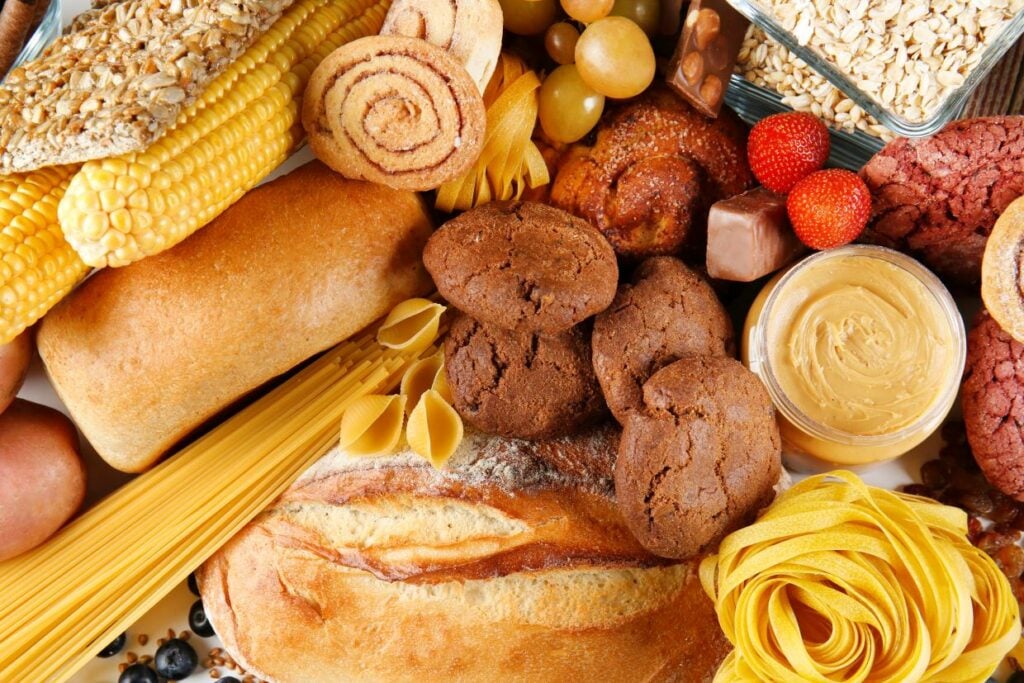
[143, 355]
[504, 566]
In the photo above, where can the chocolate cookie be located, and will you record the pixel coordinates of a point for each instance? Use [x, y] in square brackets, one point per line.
[993, 404]
[667, 311]
[523, 266]
[521, 384]
[937, 198]
[701, 459]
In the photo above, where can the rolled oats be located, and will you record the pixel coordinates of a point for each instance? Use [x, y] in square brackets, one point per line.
[909, 56]
[120, 76]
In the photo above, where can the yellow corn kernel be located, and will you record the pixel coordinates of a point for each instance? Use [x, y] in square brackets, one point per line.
[244, 125]
[37, 265]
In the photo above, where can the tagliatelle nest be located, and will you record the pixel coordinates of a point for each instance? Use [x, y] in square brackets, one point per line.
[840, 581]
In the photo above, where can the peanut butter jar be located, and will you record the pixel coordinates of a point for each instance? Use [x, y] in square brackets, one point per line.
[861, 349]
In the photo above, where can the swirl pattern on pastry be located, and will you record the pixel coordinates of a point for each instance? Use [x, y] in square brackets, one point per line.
[396, 111]
[469, 30]
[841, 581]
[653, 172]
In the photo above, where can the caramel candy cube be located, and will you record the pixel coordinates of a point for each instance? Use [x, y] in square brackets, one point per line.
[749, 236]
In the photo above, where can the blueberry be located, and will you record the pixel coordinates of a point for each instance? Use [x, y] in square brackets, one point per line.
[115, 646]
[138, 673]
[176, 659]
[192, 585]
[198, 622]
[228, 679]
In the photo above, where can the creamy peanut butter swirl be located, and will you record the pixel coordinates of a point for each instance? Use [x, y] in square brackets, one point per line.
[861, 345]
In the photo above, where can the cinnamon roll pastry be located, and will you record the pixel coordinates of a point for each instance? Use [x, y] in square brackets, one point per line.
[469, 30]
[396, 111]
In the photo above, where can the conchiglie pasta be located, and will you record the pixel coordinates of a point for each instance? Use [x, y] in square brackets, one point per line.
[424, 374]
[411, 325]
[372, 425]
[435, 429]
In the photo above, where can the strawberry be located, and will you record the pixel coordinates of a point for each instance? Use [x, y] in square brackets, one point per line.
[784, 148]
[829, 208]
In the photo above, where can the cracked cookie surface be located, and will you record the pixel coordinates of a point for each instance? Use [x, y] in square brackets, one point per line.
[523, 266]
[521, 384]
[993, 404]
[701, 459]
[937, 198]
[666, 312]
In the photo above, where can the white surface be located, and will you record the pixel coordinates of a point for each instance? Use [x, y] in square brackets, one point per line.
[172, 612]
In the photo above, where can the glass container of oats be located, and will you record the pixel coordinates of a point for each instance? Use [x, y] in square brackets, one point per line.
[904, 66]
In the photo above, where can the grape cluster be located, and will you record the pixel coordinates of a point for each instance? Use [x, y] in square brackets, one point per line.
[600, 49]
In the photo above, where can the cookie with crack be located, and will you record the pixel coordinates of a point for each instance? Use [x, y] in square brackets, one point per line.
[523, 266]
[521, 384]
[665, 312]
[992, 398]
[700, 459]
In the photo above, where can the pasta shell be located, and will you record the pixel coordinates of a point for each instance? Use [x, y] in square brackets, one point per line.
[424, 374]
[435, 429]
[372, 425]
[411, 325]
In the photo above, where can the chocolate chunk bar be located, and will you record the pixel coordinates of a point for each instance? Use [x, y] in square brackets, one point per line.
[706, 54]
[749, 236]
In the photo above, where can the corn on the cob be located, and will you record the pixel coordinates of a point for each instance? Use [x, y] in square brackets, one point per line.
[120, 210]
[37, 266]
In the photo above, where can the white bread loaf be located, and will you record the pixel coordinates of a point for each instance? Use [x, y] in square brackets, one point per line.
[512, 564]
[143, 355]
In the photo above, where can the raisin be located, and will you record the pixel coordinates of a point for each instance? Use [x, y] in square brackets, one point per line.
[1005, 510]
[919, 490]
[990, 541]
[936, 474]
[978, 503]
[1011, 560]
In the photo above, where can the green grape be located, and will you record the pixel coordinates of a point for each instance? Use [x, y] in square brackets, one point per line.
[587, 11]
[646, 13]
[615, 58]
[567, 106]
[528, 17]
[560, 42]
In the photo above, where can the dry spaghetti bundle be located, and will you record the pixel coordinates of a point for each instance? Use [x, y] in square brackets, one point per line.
[840, 581]
[60, 604]
[510, 161]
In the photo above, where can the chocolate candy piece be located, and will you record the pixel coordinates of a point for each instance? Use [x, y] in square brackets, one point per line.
[749, 236]
[706, 53]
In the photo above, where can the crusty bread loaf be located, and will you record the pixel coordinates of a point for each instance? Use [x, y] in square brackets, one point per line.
[512, 564]
[142, 355]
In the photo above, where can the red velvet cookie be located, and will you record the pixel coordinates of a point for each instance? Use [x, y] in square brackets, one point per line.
[993, 404]
[937, 198]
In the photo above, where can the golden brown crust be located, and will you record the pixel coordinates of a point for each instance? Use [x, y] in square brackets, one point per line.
[470, 30]
[655, 169]
[144, 354]
[503, 567]
[396, 111]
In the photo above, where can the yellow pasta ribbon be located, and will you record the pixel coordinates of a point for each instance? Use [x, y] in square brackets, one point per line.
[510, 161]
[841, 581]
